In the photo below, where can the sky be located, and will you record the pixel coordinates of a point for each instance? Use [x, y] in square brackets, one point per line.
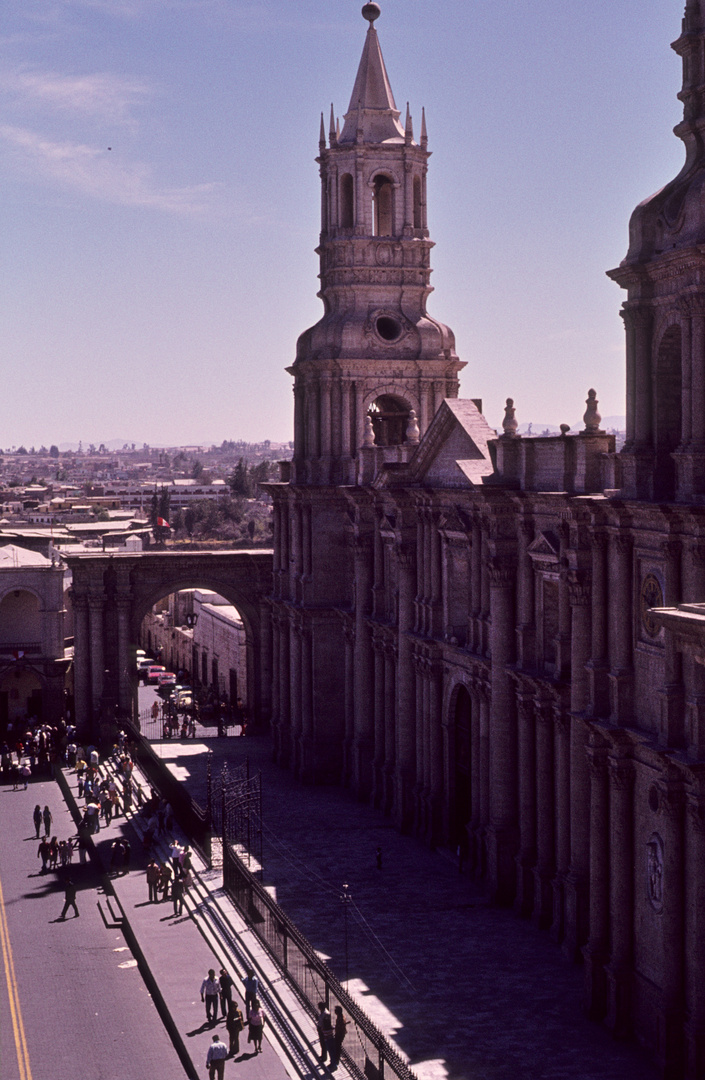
[160, 200]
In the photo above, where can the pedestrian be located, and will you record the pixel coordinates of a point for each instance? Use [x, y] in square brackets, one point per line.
[251, 990]
[209, 994]
[175, 853]
[37, 815]
[325, 1030]
[339, 1032]
[44, 850]
[46, 814]
[226, 991]
[153, 878]
[215, 1059]
[256, 1022]
[234, 1023]
[69, 900]
[177, 895]
[25, 773]
[165, 878]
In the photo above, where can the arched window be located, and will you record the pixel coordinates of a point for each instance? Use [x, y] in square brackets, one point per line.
[383, 205]
[390, 416]
[418, 216]
[347, 201]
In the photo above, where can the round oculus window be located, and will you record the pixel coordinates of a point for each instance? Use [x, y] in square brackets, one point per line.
[389, 329]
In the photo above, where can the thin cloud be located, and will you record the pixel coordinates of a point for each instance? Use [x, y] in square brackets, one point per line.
[100, 175]
[109, 96]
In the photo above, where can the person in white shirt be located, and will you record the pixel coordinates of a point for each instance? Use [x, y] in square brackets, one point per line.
[209, 993]
[215, 1059]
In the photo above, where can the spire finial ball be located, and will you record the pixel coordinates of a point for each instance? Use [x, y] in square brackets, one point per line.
[371, 12]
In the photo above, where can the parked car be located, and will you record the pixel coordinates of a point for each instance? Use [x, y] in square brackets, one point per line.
[166, 680]
[154, 672]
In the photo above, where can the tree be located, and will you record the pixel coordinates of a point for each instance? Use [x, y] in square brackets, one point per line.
[239, 480]
[54, 450]
[197, 470]
[251, 528]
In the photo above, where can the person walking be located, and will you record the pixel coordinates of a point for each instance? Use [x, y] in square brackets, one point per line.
[69, 900]
[234, 1024]
[209, 994]
[177, 895]
[44, 850]
[153, 879]
[256, 1021]
[215, 1059]
[340, 1028]
[226, 991]
[251, 990]
[37, 815]
[46, 814]
[325, 1030]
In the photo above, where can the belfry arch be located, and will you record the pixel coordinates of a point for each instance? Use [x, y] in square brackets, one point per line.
[112, 594]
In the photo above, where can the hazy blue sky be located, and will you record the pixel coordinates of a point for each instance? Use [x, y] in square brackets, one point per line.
[154, 291]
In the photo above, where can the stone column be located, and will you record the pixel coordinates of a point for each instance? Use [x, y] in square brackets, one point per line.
[502, 832]
[672, 693]
[672, 814]
[686, 381]
[267, 666]
[326, 409]
[364, 706]
[295, 633]
[436, 581]
[405, 728]
[435, 724]
[545, 817]
[631, 375]
[82, 665]
[408, 198]
[95, 623]
[379, 737]
[596, 950]
[389, 728]
[641, 321]
[698, 375]
[476, 586]
[345, 419]
[621, 878]
[526, 858]
[561, 757]
[695, 938]
[621, 672]
[525, 599]
[276, 667]
[598, 666]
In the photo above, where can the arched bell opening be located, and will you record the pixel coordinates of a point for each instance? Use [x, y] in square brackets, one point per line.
[383, 206]
[390, 417]
[347, 201]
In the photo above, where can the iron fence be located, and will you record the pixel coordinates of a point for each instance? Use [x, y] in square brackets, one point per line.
[365, 1050]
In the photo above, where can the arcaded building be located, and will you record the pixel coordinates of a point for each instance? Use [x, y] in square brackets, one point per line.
[462, 623]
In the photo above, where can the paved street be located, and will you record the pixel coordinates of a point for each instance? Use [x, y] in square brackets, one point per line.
[465, 990]
[73, 1005]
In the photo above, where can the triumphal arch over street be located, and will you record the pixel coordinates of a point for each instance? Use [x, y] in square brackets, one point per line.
[113, 592]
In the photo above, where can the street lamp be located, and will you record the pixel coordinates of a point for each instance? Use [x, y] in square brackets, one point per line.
[191, 619]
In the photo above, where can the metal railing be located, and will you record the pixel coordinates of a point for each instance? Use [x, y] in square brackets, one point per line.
[365, 1050]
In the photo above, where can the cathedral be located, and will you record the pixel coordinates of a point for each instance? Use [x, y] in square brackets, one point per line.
[496, 639]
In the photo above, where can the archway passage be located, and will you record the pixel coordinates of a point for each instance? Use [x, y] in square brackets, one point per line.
[390, 416]
[113, 593]
[201, 640]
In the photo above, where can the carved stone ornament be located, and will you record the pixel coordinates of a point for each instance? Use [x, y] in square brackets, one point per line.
[650, 596]
[509, 424]
[592, 417]
[654, 871]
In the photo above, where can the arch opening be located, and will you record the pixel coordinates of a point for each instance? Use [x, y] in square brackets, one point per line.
[347, 201]
[383, 206]
[390, 416]
[418, 215]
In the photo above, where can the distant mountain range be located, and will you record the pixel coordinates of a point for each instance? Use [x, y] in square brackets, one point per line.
[608, 423]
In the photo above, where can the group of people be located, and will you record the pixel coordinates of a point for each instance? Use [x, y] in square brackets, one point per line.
[172, 876]
[331, 1033]
[219, 991]
[52, 851]
[32, 748]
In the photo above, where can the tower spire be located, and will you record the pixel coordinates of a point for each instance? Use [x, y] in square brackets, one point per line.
[372, 94]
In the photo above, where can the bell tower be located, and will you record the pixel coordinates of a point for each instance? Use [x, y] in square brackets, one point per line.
[663, 458]
[376, 367]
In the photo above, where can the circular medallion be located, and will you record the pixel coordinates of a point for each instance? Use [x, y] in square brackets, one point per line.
[383, 254]
[651, 597]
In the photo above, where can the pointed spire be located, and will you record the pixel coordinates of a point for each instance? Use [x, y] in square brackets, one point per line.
[409, 127]
[332, 131]
[424, 133]
[372, 94]
[322, 136]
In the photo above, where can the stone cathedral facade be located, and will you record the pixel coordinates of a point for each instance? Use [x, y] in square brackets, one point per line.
[465, 626]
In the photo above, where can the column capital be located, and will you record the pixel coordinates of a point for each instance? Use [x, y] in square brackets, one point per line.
[622, 773]
[502, 572]
[637, 317]
[579, 588]
[692, 305]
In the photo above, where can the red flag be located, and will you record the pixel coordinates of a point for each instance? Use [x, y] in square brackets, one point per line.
[163, 524]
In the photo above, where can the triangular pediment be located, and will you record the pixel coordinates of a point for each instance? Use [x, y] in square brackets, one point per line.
[546, 544]
[454, 452]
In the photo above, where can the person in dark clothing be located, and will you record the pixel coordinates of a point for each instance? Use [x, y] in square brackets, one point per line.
[37, 819]
[226, 991]
[69, 900]
[177, 894]
[234, 1023]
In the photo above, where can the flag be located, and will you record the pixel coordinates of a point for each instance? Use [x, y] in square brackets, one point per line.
[163, 524]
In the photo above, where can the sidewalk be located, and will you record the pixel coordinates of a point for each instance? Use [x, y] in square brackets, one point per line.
[175, 954]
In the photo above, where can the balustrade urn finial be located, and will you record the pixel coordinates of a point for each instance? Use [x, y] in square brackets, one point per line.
[592, 417]
[413, 433]
[509, 424]
[368, 439]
